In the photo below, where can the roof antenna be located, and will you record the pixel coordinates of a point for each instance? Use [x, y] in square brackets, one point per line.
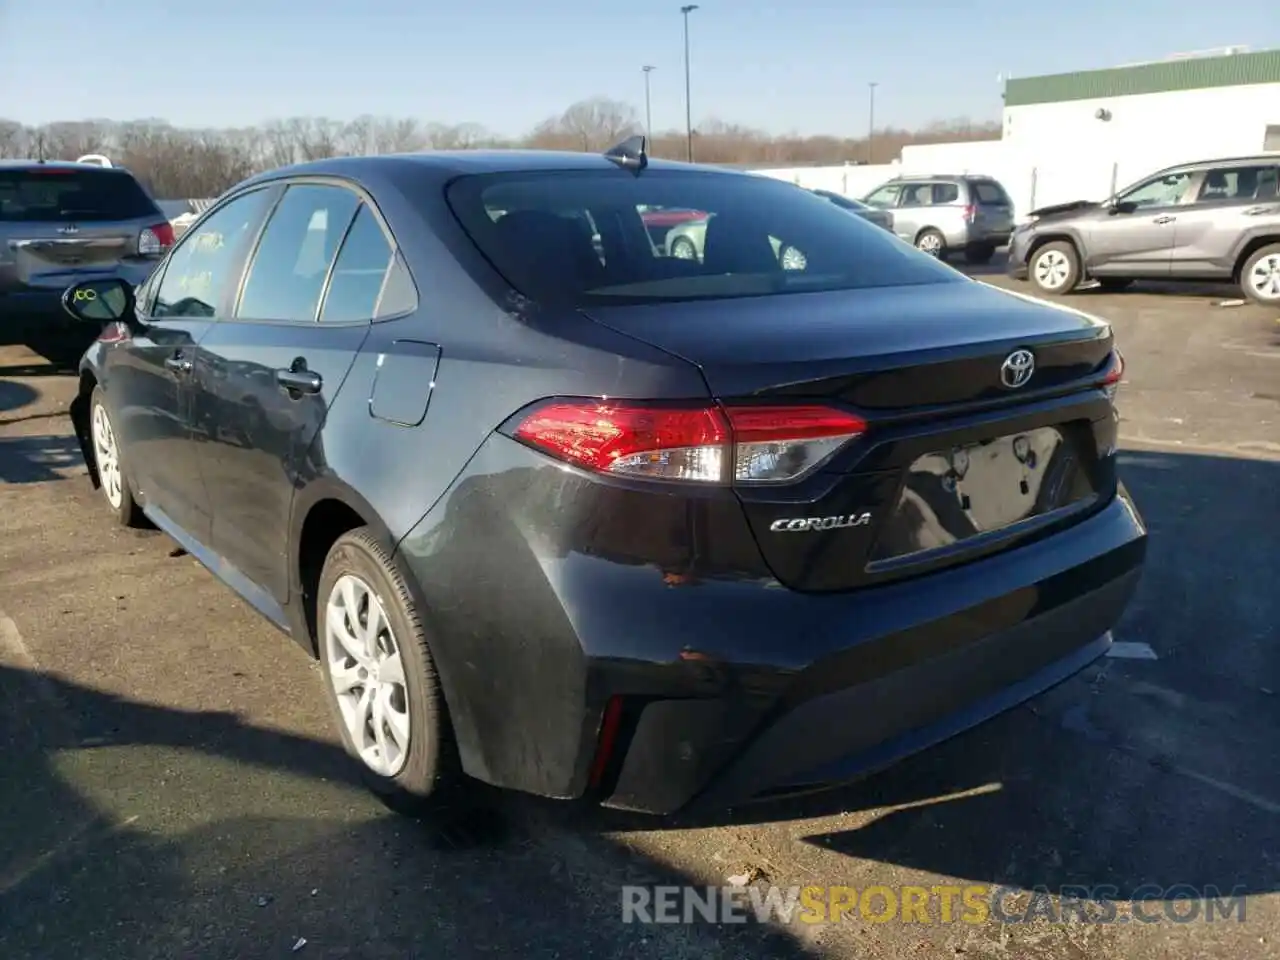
[632, 153]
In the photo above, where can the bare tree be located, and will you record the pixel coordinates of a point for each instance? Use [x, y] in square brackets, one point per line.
[177, 162]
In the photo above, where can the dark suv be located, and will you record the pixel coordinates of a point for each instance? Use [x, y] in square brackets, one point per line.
[1213, 220]
[65, 222]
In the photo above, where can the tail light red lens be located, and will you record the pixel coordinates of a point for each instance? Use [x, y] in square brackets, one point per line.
[1111, 381]
[971, 213]
[705, 443]
[155, 239]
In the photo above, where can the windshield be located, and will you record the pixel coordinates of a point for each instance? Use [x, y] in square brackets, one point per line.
[579, 237]
[60, 194]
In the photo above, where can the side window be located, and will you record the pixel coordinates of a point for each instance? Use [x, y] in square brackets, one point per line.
[1267, 184]
[359, 271]
[1237, 183]
[399, 295]
[199, 268]
[1160, 192]
[287, 273]
[945, 193]
[918, 194]
[883, 198]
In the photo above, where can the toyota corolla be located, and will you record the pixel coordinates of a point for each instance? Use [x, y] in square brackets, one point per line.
[563, 515]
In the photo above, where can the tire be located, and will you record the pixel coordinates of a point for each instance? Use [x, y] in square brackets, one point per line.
[932, 242]
[113, 472]
[1260, 276]
[682, 248]
[1055, 268]
[979, 254]
[423, 777]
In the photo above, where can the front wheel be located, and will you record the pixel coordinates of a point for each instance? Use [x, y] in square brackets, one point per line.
[933, 243]
[1055, 268]
[113, 477]
[1260, 278]
[381, 680]
[682, 248]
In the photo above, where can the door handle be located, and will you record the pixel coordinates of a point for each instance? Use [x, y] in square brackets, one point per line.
[178, 363]
[1163, 220]
[299, 381]
[1259, 211]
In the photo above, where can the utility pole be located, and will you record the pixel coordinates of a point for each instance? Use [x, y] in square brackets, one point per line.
[648, 109]
[871, 121]
[688, 105]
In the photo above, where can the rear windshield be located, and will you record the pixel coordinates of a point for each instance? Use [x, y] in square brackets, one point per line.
[988, 191]
[578, 237]
[57, 194]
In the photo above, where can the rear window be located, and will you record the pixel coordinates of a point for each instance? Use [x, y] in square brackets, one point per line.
[578, 237]
[58, 195]
[988, 191]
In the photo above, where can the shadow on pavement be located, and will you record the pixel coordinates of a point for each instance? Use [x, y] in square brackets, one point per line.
[161, 875]
[14, 395]
[38, 459]
[1209, 291]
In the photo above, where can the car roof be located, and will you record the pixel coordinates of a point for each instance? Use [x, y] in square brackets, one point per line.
[939, 176]
[57, 165]
[1264, 159]
[447, 164]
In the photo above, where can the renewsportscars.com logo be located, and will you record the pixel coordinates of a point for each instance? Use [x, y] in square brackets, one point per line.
[972, 904]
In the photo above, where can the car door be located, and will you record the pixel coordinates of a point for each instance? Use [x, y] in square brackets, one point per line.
[1135, 235]
[910, 216]
[1228, 202]
[147, 377]
[268, 375]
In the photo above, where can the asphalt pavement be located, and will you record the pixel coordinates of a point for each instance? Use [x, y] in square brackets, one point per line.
[170, 785]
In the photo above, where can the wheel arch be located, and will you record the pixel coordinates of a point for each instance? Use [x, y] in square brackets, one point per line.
[1249, 247]
[1057, 236]
[79, 411]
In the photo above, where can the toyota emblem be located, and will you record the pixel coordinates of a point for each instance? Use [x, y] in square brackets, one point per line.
[1017, 369]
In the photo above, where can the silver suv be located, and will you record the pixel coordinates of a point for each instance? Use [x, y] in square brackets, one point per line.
[946, 214]
[61, 223]
[1216, 220]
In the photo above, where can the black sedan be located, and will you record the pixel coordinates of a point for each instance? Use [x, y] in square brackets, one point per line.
[565, 516]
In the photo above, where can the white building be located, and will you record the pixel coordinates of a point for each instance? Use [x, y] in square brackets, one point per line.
[1078, 135]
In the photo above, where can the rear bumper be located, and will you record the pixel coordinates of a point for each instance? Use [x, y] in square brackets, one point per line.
[551, 596]
[915, 669]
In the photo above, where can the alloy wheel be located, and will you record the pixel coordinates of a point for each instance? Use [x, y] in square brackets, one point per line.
[367, 673]
[106, 455]
[1052, 269]
[1264, 277]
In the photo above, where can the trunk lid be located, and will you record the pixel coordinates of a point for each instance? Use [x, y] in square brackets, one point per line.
[954, 464]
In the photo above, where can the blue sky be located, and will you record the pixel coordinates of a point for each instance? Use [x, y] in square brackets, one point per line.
[800, 65]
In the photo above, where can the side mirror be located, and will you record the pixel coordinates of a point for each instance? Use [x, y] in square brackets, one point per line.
[100, 301]
[1123, 206]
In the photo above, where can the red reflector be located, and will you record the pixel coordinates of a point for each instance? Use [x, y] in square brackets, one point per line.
[609, 725]
[600, 435]
[1116, 371]
[771, 424]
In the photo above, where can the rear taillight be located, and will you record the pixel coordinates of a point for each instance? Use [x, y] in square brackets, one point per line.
[1111, 381]
[155, 240]
[706, 443]
[970, 213]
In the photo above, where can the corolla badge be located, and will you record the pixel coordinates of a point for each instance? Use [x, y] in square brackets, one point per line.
[809, 524]
[1017, 368]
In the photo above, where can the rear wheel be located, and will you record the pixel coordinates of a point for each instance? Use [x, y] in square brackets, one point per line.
[381, 679]
[682, 248]
[1260, 277]
[933, 243]
[1055, 268]
[113, 476]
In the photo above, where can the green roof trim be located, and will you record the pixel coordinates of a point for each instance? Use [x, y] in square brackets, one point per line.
[1192, 73]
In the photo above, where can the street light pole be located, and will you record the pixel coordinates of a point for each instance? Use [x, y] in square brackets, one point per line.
[688, 106]
[871, 121]
[648, 110]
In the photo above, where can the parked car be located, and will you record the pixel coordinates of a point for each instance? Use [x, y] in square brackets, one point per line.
[881, 218]
[63, 222]
[942, 215]
[1214, 220]
[613, 525]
